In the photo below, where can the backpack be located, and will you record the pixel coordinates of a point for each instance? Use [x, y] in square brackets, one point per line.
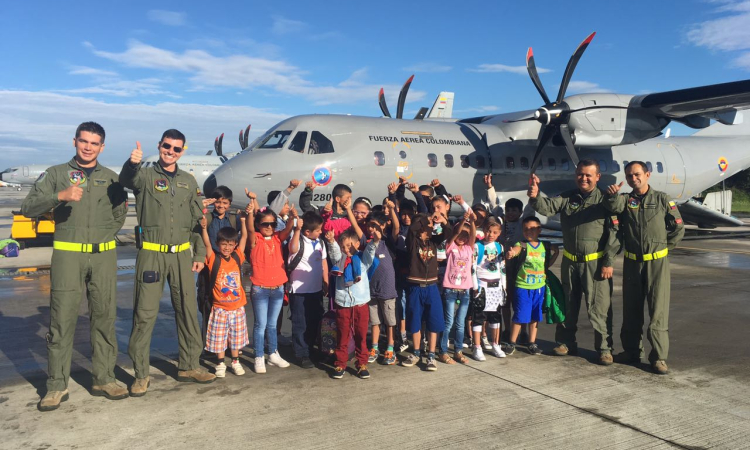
[482, 251]
[297, 257]
[9, 248]
[329, 332]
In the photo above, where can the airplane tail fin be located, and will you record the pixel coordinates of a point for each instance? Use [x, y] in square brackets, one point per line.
[443, 106]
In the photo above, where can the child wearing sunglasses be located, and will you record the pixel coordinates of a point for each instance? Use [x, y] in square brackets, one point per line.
[268, 280]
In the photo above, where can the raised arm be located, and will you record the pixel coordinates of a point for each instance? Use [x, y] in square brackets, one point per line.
[305, 198]
[284, 234]
[613, 200]
[204, 235]
[353, 220]
[395, 224]
[130, 174]
[251, 237]
[243, 223]
[294, 241]
[545, 206]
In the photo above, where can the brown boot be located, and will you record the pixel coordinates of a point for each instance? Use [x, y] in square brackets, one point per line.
[560, 350]
[605, 359]
[444, 358]
[112, 391]
[140, 387]
[627, 358]
[660, 367]
[52, 400]
[195, 376]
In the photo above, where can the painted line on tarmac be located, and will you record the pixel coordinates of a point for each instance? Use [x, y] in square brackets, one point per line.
[579, 408]
[714, 250]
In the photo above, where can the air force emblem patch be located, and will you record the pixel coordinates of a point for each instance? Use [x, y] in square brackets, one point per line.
[161, 185]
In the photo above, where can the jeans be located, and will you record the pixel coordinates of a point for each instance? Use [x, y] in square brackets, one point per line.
[267, 305]
[307, 311]
[450, 297]
[352, 320]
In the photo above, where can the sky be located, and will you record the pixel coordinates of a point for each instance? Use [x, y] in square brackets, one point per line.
[139, 68]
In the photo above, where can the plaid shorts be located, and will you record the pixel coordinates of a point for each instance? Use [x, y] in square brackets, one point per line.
[226, 327]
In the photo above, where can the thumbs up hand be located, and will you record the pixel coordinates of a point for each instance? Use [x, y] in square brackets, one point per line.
[136, 155]
[615, 188]
[533, 186]
[71, 194]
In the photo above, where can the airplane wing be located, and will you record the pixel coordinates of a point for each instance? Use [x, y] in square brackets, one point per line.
[694, 212]
[696, 106]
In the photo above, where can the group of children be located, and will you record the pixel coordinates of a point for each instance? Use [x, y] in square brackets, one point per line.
[401, 268]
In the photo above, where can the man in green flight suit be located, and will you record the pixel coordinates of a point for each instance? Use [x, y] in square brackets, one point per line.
[652, 227]
[590, 243]
[168, 209]
[89, 206]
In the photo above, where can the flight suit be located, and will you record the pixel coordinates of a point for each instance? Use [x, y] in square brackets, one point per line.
[590, 242]
[168, 208]
[652, 227]
[77, 268]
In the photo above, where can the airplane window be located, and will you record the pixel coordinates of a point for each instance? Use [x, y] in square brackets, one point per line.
[510, 162]
[551, 164]
[541, 165]
[276, 140]
[402, 154]
[464, 161]
[480, 162]
[432, 159]
[659, 167]
[319, 144]
[449, 161]
[615, 167]
[524, 162]
[650, 167]
[602, 165]
[298, 143]
[379, 159]
[564, 164]
[625, 163]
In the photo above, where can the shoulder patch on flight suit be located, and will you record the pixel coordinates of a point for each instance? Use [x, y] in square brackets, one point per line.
[615, 220]
[77, 176]
[672, 205]
[41, 177]
[634, 203]
[678, 220]
[100, 182]
[161, 185]
[180, 184]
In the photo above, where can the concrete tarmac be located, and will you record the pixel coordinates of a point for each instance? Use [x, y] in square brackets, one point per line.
[522, 401]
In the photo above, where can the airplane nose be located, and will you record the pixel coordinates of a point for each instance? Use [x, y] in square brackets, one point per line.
[209, 185]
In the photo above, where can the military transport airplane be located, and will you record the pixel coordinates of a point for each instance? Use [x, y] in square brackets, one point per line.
[367, 153]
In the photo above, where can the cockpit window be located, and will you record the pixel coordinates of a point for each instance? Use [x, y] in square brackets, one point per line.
[319, 144]
[298, 143]
[277, 139]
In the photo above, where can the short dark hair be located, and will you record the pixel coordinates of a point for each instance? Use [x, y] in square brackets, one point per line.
[479, 207]
[349, 233]
[427, 188]
[272, 196]
[263, 213]
[227, 234]
[222, 192]
[173, 134]
[91, 127]
[532, 219]
[641, 163]
[589, 162]
[340, 189]
[378, 217]
[514, 203]
[311, 220]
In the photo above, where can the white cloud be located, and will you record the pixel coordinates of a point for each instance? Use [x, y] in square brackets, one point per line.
[171, 18]
[124, 88]
[41, 125]
[493, 68]
[728, 33]
[83, 70]
[428, 67]
[282, 25]
[577, 87]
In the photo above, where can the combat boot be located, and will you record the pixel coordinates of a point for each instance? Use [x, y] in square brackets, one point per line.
[195, 376]
[52, 400]
[560, 350]
[112, 391]
[140, 387]
[605, 359]
[627, 358]
[660, 367]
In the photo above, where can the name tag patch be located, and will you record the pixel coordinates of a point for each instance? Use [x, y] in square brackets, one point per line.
[100, 182]
[180, 184]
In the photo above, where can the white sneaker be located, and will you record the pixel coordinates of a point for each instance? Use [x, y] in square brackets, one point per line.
[486, 343]
[275, 359]
[260, 365]
[479, 354]
[237, 368]
[221, 370]
[497, 351]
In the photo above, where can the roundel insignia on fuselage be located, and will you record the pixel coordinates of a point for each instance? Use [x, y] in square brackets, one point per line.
[322, 176]
[723, 164]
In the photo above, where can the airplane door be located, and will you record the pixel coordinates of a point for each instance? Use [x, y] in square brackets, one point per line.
[26, 171]
[674, 169]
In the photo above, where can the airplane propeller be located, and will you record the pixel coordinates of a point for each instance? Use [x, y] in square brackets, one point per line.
[243, 139]
[218, 147]
[554, 116]
[401, 102]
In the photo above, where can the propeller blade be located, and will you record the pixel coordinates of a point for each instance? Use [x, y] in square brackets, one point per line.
[219, 149]
[402, 98]
[383, 106]
[216, 144]
[572, 66]
[242, 143]
[422, 112]
[565, 133]
[525, 119]
[247, 135]
[531, 68]
[545, 134]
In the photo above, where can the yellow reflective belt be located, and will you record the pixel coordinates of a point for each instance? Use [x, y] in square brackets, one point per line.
[648, 256]
[587, 258]
[163, 248]
[84, 248]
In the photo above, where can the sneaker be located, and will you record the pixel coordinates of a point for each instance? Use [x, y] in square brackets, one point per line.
[431, 366]
[275, 359]
[467, 344]
[486, 343]
[338, 373]
[479, 354]
[237, 368]
[605, 359]
[459, 357]
[306, 363]
[510, 349]
[389, 358]
[363, 373]
[374, 354]
[260, 365]
[534, 349]
[660, 367]
[221, 370]
[52, 400]
[498, 351]
[444, 358]
[404, 346]
[410, 360]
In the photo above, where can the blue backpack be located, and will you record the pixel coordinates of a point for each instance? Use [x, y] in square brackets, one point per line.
[9, 248]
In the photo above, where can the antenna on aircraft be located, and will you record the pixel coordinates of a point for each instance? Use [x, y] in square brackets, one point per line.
[243, 140]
